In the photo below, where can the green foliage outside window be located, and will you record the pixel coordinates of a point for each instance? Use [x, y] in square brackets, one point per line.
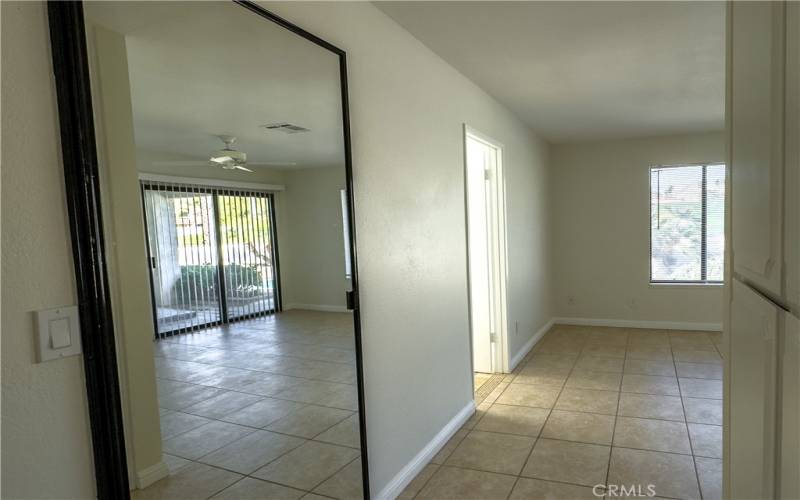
[199, 282]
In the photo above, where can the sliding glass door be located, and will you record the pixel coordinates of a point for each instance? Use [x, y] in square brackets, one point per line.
[212, 255]
[247, 251]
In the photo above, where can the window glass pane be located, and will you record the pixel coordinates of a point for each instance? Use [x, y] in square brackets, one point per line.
[715, 222]
[676, 223]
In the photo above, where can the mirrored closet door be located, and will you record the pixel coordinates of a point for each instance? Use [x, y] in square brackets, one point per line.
[226, 239]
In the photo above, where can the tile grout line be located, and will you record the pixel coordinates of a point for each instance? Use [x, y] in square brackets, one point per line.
[253, 332]
[275, 396]
[460, 467]
[253, 430]
[346, 363]
[331, 476]
[262, 349]
[619, 393]
[686, 424]
[616, 416]
[255, 371]
[251, 370]
[541, 429]
[560, 391]
[250, 474]
[302, 404]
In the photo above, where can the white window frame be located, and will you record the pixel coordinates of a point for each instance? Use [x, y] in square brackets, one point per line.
[678, 283]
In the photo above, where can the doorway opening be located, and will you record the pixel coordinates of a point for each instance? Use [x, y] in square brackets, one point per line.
[486, 246]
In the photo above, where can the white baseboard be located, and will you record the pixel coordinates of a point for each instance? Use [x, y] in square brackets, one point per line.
[524, 350]
[315, 307]
[394, 487]
[630, 323]
[150, 475]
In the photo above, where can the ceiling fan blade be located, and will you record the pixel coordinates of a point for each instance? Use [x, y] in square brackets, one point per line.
[272, 164]
[181, 163]
[205, 163]
[239, 167]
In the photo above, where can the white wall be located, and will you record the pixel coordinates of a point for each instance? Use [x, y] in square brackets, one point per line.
[46, 451]
[407, 108]
[124, 233]
[528, 220]
[601, 219]
[312, 251]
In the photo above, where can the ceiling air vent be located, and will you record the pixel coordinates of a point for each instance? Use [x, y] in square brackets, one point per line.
[286, 128]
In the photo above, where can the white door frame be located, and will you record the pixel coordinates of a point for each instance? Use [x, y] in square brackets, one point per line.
[496, 221]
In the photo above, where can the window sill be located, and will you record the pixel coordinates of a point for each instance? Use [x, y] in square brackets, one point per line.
[685, 285]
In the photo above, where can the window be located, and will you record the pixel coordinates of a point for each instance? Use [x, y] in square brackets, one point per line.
[687, 224]
[348, 269]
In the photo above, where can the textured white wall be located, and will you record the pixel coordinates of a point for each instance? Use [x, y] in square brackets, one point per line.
[407, 108]
[46, 451]
[312, 250]
[528, 220]
[601, 217]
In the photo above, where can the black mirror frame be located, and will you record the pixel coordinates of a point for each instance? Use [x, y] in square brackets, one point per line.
[79, 156]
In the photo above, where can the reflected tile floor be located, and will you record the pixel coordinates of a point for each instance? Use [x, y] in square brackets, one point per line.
[588, 406]
[264, 408]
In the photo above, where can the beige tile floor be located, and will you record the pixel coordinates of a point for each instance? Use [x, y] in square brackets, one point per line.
[265, 408]
[592, 406]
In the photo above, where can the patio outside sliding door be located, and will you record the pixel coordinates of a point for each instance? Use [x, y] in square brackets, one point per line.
[212, 255]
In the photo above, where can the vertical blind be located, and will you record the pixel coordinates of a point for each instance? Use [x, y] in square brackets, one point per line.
[212, 255]
[687, 223]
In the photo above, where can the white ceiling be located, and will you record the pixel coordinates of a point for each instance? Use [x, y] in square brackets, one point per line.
[585, 70]
[203, 68]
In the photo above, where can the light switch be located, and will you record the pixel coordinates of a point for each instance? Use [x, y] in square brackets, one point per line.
[58, 333]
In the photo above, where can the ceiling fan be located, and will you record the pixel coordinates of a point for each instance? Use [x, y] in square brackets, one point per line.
[228, 158]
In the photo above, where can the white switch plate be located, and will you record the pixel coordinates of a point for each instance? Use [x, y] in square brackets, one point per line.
[58, 333]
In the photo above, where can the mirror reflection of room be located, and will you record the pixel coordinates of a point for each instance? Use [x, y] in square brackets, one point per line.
[221, 149]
